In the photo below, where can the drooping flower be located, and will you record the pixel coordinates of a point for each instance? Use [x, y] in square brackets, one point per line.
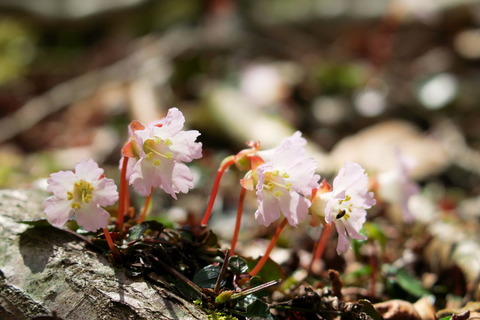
[396, 187]
[82, 193]
[282, 183]
[157, 154]
[346, 204]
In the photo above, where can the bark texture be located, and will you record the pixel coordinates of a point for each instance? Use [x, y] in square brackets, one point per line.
[45, 270]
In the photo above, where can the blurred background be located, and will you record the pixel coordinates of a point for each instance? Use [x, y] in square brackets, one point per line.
[362, 79]
[74, 73]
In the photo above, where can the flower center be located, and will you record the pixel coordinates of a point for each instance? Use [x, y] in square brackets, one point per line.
[82, 193]
[158, 150]
[344, 208]
[275, 183]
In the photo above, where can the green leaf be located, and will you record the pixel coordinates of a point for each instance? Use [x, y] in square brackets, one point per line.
[270, 271]
[223, 297]
[36, 222]
[154, 225]
[255, 281]
[136, 232]
[238, 265]
[369, 309]
[211, 239]
[259, 309]
[207, 277]
[446, 318]
[410, 284]
[244, 302]
[373, 231]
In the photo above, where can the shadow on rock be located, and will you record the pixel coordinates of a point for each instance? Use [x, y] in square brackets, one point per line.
[37, 245]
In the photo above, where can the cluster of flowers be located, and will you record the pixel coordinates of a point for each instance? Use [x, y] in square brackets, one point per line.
[154, 156]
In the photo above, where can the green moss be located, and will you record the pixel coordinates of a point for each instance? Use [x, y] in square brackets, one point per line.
[215, 314]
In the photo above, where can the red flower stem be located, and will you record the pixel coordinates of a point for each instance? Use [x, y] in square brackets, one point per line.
[216, 185]
[123, 194]
[111, 245]
[130, 213]
[238, 221]
[143, 215]
[320, 246]
[271, 245]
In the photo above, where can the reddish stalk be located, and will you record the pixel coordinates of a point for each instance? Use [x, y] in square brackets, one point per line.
[123, 195]
[127, 201]
[143, 215]
[238, 221]
[111, 245]
[216, 184]
[321, 245]
[271, 245]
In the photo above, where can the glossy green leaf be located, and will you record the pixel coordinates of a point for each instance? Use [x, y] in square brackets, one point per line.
[256, 281]
[409, 283]
[369, 309]
[136, 232]
[238, 265]
[270, 271]
[258, 310]
[207, 277]
[244, 302]
[154, 225]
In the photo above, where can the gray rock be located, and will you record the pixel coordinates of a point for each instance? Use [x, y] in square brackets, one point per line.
[44, 270]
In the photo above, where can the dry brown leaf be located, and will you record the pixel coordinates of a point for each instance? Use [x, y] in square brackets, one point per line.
[397, 310]
[425, 308]
[375, 149]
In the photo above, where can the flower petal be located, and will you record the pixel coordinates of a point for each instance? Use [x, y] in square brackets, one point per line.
[343, 243]
[92, 218]
[184, 146]
[88, 170]
[144, 177]
[182, 179]
[294, 207]
[57, 210]
[60, 183]
[268, 210]
[105, 193]
[171, 125]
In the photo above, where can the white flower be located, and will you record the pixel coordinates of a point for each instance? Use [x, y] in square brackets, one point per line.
[396, 187]
[82, 193]
[347, 203]
[157, 155]
[284, 181]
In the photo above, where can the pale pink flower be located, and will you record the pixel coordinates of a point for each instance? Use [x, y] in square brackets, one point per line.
[159, 151]
[283, 182]
[396, 187]
[347, 203]
[81, 193]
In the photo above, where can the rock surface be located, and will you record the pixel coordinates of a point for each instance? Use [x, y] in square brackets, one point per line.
[45, 270]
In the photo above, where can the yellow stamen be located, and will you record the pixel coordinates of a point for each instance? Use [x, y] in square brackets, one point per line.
[82, 193]
[151, 151]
